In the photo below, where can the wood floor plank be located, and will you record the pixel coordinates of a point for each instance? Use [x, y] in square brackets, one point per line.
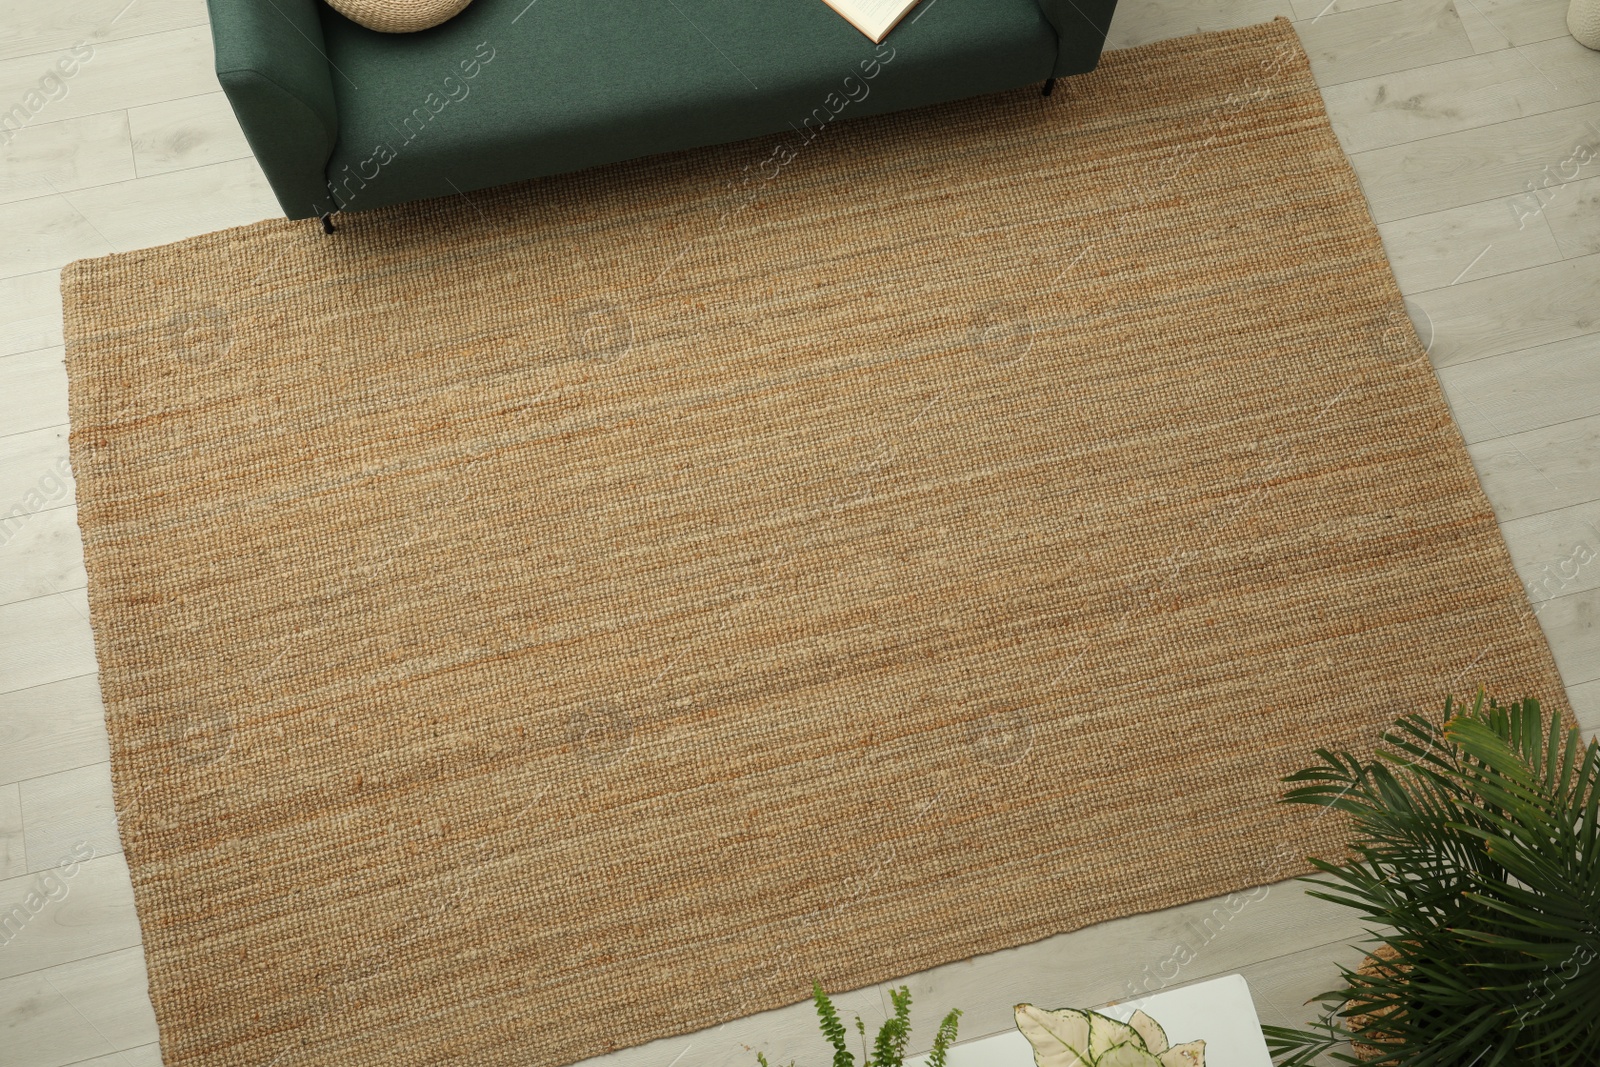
[143, 1056]
[46, 233]
[1541, 470]
[44, 556]
[1524, 390]
[193, 132]
[30, 312]
[35, 476]
[1510, 160]
[1585, 698]
[1462, 94]
[1136, 24]
[1305, 10]
[1525, 21]
[1281, 986]
[53, 727]
[1538, 306]
[1572, 623]
[185, 203]
[1484, 34]
[89, 1011]
[119, 74]
[33, 390]
[1557, 552]
[1574, 215]
[46, 640]
[1460, 244]
[1350, 45]
[51, 918]
[61, 156]
[13, 843]
[34, 29]
[64, 809]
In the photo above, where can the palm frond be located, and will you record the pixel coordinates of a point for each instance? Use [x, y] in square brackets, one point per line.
[1475, 847]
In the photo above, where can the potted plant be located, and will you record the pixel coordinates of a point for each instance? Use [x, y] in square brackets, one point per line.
[889, 1048]
[1475, 855]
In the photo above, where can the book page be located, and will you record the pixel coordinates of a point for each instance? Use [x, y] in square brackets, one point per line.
[875, 18]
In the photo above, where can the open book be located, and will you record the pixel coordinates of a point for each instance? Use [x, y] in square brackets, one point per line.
[875, 18]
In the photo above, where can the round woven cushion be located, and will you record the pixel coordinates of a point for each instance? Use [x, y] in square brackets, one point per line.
[398, 16]
[1583, 19]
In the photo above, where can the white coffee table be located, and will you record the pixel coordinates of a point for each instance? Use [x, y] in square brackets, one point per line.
[1219, 1010]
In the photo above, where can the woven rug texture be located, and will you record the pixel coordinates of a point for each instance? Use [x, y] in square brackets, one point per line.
[538, 622]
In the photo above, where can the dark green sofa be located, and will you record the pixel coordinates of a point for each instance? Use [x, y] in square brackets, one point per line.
[342, 118]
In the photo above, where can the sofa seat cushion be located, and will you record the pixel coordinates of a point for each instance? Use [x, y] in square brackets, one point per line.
[511, 89]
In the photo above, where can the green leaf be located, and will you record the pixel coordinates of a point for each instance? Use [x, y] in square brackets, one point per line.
[1474, 844]
[832, 1028]
[889, 1049]
[944, 1039]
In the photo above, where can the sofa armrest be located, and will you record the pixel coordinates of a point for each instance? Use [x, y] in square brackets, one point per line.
[272, 64]
[1081, 26]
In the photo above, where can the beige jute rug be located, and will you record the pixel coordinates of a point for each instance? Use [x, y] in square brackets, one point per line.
[546, 620]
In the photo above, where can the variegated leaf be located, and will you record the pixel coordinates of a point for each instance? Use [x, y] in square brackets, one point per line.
[1059, 1038]
[1131, 1054]
[1155, 1038]
[1188, 1054]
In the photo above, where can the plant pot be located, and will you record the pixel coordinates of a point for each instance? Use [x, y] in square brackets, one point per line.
[1377, 965]
[1583, 20]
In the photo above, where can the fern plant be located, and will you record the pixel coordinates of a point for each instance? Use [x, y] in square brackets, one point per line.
[1476, 852]
[889, 1047]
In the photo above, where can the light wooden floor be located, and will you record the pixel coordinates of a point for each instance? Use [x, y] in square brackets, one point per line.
[1452, 110]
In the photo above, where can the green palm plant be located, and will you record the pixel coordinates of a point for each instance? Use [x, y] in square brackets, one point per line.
[889, 1047]
[1476, 853]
